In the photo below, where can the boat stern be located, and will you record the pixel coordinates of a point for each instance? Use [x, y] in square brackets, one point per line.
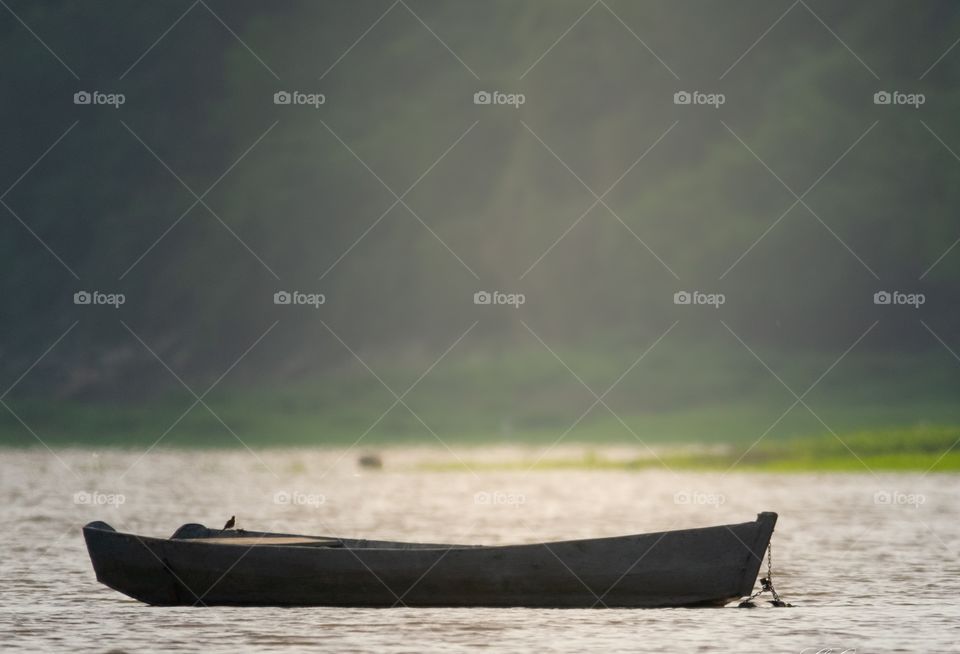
[131, 565]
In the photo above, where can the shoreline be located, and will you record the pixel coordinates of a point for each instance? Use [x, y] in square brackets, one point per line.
[856, 453]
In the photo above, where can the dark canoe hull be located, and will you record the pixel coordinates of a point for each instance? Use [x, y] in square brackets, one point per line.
[692, 567]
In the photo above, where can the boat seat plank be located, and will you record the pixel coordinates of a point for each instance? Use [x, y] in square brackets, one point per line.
[268, 540]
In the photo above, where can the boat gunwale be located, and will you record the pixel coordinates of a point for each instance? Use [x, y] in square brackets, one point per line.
[406, 546]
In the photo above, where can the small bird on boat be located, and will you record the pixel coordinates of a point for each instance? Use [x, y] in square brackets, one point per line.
[230, 523]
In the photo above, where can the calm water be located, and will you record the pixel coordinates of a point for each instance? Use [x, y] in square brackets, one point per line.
[870, 560]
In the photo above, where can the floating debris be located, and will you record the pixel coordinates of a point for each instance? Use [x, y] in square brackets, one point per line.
[370, 461]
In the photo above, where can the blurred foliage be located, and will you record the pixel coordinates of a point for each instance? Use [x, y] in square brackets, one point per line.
[925, 448]
[525, 396]
[300, 199]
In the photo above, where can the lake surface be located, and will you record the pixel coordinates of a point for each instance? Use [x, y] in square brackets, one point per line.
[870, 561]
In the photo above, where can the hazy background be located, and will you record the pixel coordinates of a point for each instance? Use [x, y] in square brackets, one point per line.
[300, 197]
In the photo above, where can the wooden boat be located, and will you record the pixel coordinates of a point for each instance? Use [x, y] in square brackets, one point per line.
[709, 566]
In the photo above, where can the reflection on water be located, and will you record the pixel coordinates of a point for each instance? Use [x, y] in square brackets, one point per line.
[870, 560]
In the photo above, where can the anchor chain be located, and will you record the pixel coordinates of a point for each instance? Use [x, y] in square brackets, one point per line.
[766, 586]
